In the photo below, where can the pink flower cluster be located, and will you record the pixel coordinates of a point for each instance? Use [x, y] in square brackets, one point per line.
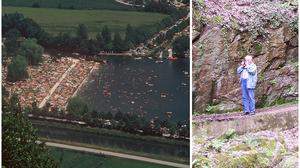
[247, 14]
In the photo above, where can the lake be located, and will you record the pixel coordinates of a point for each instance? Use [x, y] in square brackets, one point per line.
[152, 87]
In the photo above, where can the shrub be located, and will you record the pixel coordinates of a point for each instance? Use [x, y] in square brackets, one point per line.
[32, 51]
[77, 107]
[17, 69]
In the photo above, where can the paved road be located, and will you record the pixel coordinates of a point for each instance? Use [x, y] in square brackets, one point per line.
[122, 155]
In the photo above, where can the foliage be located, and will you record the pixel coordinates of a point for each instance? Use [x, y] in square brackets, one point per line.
[17, 69]
[32, 51]
[107, 40]
[181, 45]
[210, 109]
[118, 43]
[258, 149]
[78, 110]
[229, 134]
[257, 48]
[27, 27]
[19, 142]
[106, 34]
[247, 15]
[217, 144]
[163, 6]
[77, 107]
[11, 42]
[82, 32]
[66, 4]
[201, 162]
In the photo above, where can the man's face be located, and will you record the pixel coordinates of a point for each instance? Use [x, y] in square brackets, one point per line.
[248, 61]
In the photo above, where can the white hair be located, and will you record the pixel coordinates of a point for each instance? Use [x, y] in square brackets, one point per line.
[248, 58]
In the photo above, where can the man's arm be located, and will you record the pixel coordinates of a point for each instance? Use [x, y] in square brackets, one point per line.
[240, 69]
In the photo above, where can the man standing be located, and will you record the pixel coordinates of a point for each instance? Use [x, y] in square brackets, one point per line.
[248, 75]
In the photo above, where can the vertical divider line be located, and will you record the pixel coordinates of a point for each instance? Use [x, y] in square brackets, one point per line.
[191, 80]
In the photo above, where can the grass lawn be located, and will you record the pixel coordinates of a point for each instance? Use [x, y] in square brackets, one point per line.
[75, 159]
[61, 20]
[76, 4]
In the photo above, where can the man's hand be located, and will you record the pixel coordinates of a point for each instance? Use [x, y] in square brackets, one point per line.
[243, 64]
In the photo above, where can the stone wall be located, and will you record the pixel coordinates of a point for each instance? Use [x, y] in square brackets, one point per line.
[218, 52]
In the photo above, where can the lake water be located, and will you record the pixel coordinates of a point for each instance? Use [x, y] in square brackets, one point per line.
[146, 86]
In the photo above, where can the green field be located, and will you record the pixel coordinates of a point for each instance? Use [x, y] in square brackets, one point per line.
[55, 21]
[75, 159]
[76, 4]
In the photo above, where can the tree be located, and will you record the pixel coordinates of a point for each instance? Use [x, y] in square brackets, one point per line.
[32, 51]
[82, 32]
[19, 142]
[10, 21]
[100, 41]
[167, 21]
[26, 26]
[118, 43]
[108, 46]
[4, 55]
[129, 38]
[181, 45]
[17, 69]
[36, 5]
[108, 115]
[92, 47]
[84, 46]
[30, 29]
[11, 42]
[77, 107]
[118, 116]
[106, 34]
[129, 34]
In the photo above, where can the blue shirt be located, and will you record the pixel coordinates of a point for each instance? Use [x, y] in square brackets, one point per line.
[252, 75]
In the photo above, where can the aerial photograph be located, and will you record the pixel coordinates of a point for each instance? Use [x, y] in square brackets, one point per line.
[245, 84]
[95, 83]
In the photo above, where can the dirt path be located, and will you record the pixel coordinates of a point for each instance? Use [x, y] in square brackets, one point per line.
[127, 156]
[238, 115]
[57, 84]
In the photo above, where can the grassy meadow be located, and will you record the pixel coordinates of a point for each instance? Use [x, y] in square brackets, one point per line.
[55, 21]
[75, 159]
[68, 4]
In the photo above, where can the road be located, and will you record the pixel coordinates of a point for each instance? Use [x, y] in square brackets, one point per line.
[115, 154]
[128, 4]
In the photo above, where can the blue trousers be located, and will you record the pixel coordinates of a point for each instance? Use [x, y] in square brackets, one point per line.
[247, 98]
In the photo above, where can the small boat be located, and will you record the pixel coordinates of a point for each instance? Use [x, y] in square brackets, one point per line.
[172, 58]
[138, 58]
[160, 55]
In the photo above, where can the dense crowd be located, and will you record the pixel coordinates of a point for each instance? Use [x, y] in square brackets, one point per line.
[43, 77]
